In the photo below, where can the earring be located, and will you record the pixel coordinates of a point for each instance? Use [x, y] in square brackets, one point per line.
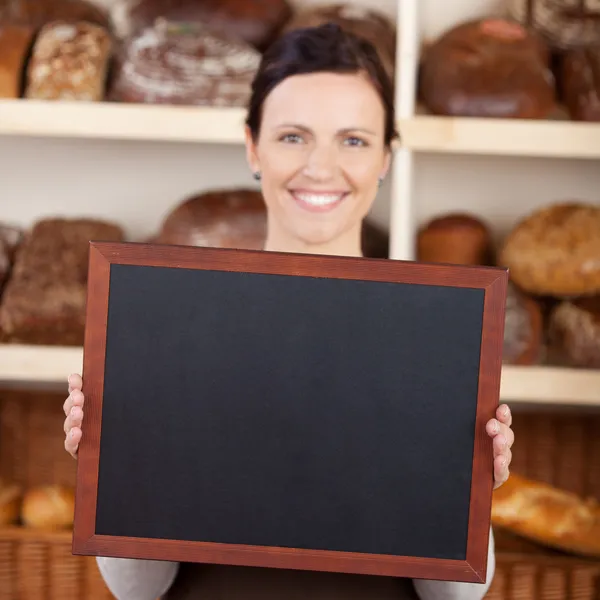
[256, 175]
[380, 182]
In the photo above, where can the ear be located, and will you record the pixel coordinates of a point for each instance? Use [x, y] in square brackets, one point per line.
[386, 164]
[251, 152]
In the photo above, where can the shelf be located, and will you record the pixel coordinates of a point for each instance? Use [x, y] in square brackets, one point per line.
[423, 133]
[508, 137]
[51, 365]
[107, 120]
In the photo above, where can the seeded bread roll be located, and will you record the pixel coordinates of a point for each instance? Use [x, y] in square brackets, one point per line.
[574, 331]
[69, 62]
[15, 42]
[555, 251]
[488, 68]
[175, 64]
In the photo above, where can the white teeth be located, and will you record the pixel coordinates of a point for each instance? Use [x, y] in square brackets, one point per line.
[319, 199]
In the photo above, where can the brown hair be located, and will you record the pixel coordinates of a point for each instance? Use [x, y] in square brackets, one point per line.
[324, 48]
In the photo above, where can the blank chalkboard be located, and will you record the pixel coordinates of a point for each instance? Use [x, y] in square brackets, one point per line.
[289, 411]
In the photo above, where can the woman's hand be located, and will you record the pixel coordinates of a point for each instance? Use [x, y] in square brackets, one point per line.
[502, 438]
[73, 408]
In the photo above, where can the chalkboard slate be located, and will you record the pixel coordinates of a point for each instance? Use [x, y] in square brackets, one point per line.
[288, 410]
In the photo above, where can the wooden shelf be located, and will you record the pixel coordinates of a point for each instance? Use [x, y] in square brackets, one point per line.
[422, 133]
[508, 137]
[106, 120]
[50, 365]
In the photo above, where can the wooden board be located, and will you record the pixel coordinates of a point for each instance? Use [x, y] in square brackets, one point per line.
[289, 411]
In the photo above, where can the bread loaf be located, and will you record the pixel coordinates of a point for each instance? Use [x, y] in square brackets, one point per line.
[15, 42]
[10, 503]
[359, 20]
[48, 507]
[256, 23]
[69, 62]
[555, 251]
[547, 515]
[233, 218]
[580, 83]
[457, 238]
[523, 329]
[574, 331]
[488, 68]
[44, 299]
[37, 13]
[172, 64]
[562, 23]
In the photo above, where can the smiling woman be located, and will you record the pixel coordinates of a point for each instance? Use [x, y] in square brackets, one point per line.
[318, 137]
[318, 134]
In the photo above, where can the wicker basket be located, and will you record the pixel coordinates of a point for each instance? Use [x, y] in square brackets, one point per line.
[36, 565]
[560, 448]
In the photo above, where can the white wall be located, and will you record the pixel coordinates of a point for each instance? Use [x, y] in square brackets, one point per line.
[137, 183]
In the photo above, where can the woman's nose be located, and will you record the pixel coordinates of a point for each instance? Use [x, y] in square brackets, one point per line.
[321, 163]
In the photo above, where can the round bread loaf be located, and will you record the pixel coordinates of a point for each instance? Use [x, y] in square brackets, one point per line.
[361, 21]
[10, 503]
[555, 251]
[255, 22]
[48, 507]
[523, 329]
[36, 13]
[574, 331]
[457, 238]
[562, 23]
[488, 68]
[174, 64]
[233, 218]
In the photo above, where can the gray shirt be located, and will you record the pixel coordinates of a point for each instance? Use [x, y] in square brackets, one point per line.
[135, 579]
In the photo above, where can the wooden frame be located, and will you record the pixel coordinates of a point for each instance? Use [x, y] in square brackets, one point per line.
[492, 280]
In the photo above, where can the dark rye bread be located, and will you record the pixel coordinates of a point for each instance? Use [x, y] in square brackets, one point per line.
[491, 68]
[44, 299]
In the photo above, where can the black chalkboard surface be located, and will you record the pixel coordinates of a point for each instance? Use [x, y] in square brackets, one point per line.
[289, 411]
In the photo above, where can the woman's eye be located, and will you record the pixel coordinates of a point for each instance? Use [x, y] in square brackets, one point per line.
[354, 141]
[291, 137]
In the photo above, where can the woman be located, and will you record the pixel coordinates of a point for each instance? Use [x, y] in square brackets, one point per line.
[318, 137]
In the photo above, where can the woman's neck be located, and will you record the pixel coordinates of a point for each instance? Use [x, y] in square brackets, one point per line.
[347, 244]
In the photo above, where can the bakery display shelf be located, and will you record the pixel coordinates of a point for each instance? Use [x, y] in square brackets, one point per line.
[33, 364]
[552, 138]
[111, 120]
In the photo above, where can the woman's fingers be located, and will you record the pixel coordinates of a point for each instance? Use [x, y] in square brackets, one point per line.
[495, 428]
[74, 399]
[504, 415]
[73, 408]
[75, 382]
[501, 469]
[72, 441]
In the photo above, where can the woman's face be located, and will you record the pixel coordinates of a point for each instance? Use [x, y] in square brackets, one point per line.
[320, 153]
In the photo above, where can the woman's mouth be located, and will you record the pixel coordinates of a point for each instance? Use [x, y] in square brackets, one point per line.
[318, 201]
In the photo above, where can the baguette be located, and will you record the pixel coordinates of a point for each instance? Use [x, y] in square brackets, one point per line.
[547, 515]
